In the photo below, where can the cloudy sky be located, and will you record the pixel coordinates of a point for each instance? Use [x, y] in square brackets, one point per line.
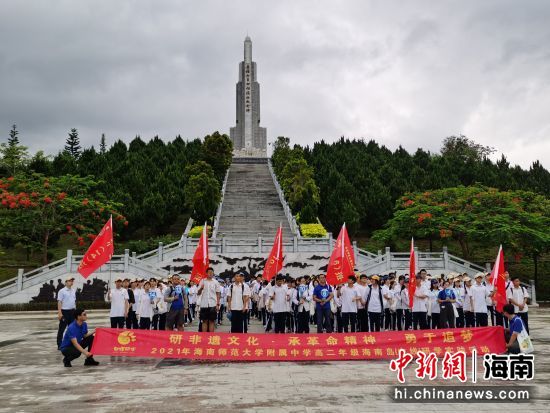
[402, 72]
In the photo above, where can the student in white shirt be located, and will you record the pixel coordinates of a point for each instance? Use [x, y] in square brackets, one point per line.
[261, 302]
[433, 319]
[518, 295]
[420, 302]
[210, 292]
[66, 304]
[374, 303]
[459, 294]
[238, 300]
[119, 304]
[362, 314]
[479, 295]
[279, 298]
[159, 319]
[290, 319]
[349, 296]
[192, 299]
[468, 302]
[402, 311]
[147, 302]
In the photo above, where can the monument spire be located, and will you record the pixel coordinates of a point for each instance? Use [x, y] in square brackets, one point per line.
[249, 139]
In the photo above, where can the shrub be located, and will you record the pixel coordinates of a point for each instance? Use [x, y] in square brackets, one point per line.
[313, 231]
[197, 231]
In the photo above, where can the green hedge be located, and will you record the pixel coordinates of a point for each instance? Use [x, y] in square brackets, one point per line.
[313, 230]
[88, 305]
[197, 231]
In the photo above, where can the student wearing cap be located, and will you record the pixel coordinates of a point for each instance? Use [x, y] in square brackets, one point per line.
[374, 303]
[119, 304]
[78, 340]
[517, 295]
[480, 293]
[457, 289]
[66, 304]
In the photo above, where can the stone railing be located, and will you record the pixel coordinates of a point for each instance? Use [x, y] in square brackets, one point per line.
[288, 213]
[219, 210]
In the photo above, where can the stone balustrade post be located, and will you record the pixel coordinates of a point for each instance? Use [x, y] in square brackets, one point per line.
[20, 272]
[259, 243]
[388, 258]
[160, 252]
[126, 259]
[69, 262]
[533, 293]
[445, 257]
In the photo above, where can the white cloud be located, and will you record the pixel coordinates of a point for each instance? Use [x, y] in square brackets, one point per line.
[403, 73]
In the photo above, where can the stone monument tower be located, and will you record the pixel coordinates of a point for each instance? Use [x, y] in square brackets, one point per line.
[249, 139]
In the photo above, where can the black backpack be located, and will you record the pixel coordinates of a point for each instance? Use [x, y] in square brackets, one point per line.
[380, 296]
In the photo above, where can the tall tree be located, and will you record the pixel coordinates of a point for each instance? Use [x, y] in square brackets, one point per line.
[72, 145]
[102, 145]
[13, 155]
[218, 152]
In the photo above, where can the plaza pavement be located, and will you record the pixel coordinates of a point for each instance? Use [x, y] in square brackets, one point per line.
[32, 379]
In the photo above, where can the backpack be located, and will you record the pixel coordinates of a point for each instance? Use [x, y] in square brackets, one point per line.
[380, 296]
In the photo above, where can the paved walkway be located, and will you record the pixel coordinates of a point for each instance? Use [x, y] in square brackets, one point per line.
[32, 378]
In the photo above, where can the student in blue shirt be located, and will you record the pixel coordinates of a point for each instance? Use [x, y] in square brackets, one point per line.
[322, 294]
[78, 340]
[446, 299]
[516, 326]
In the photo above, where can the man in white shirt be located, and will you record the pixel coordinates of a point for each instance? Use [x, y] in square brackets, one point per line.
[480, 294]
[420, 305]
[119, 304]
[279, 298]
[518, 295]
[210, 292]
[238, 300]
[362, 315]
[192, 299]
[349, 296]
[147, 302]
[66, 304]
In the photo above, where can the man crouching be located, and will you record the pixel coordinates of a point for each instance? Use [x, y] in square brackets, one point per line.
[77, 340]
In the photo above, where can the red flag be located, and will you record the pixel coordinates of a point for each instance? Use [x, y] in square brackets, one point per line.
[99, 252]
[200, 259]
[274, 262]
[342, 260]
[412, 275]
[499, 282]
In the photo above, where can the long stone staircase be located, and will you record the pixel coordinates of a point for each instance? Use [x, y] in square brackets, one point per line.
[251, 204]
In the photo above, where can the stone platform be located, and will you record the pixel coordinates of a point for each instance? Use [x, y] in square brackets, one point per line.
[32, 378]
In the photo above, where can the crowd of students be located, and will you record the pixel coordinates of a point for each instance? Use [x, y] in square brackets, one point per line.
[367, 303]
[287, 305]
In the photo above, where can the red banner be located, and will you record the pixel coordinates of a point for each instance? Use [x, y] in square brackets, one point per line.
[294, 347]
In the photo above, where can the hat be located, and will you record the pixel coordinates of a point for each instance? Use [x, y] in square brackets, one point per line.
[118, 279]
[479, 274]
[375, 277]
[69, 278]
[434, 281]
[466, 279]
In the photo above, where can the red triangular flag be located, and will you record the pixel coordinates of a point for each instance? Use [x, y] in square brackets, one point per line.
[99, 252]
[274, 262]
[499, 282]
[412, 275]
[200, 260]
[342, 260]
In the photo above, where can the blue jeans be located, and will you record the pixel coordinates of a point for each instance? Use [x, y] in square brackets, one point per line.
[323, 320]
